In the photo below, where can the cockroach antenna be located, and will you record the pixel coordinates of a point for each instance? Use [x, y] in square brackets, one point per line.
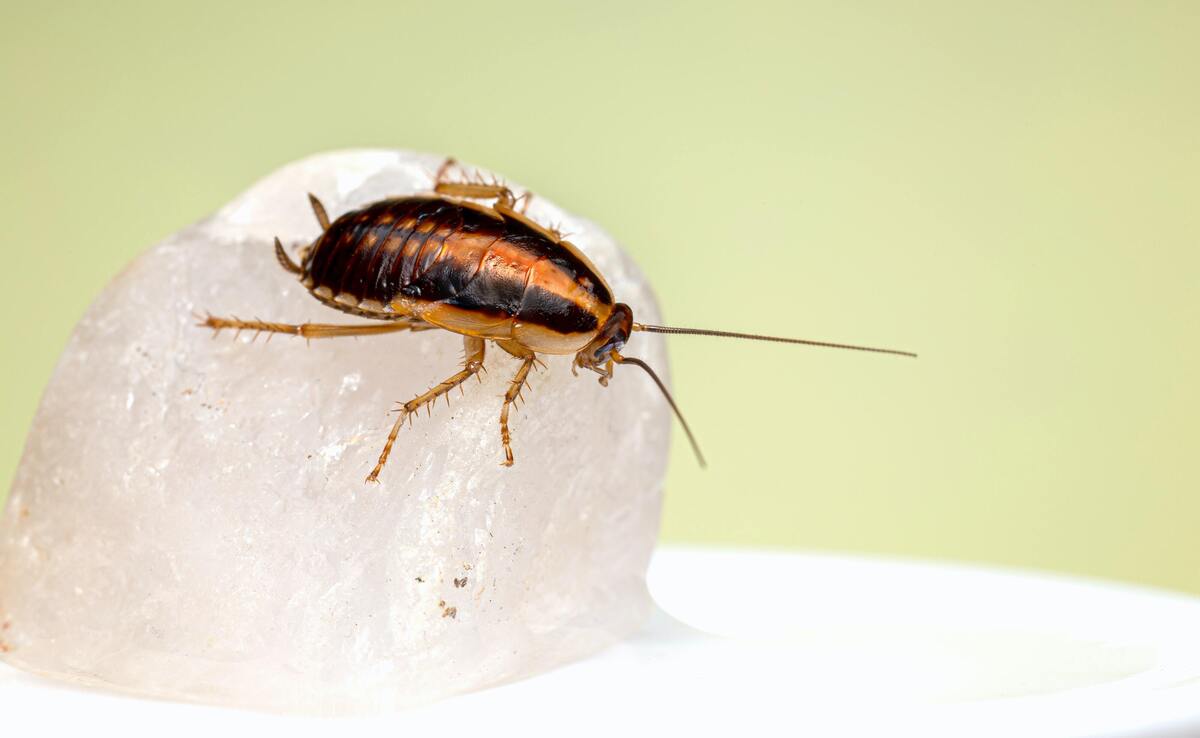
[728, 334]
[773, 339]
[670, 401]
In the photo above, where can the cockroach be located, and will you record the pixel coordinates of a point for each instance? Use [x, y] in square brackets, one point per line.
[488, 272]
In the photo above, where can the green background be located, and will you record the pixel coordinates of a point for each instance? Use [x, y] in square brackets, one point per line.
[1012, 189]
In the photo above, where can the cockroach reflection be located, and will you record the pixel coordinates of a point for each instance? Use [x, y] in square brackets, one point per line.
[487, 272]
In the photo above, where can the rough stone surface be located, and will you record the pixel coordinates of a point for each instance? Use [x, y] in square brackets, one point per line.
[190, 521]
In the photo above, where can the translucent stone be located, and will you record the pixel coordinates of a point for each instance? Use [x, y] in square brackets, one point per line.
[190, 518]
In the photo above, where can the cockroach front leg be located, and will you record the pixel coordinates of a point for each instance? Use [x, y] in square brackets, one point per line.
[314, 330]
[471, 366]
[514, 391]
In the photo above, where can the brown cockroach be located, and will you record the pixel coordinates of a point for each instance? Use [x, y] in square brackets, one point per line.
[447, 261]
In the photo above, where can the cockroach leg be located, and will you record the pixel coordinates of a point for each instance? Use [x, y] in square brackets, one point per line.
[481, 190]
[526, 199]
[443, 170]
[471, 366]
[528, 359]
[314, 330]
[499, 192]
[474, 190]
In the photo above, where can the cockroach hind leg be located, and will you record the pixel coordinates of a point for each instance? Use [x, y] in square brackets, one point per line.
[472, 191]
[203, 320]
[443, 170]
[473, 188]
[526, 199]
[309, 330]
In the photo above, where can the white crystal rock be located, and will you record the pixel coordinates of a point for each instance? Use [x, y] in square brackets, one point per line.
[190, 520]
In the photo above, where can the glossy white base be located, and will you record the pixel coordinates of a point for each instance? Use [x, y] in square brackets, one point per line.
[794, 644]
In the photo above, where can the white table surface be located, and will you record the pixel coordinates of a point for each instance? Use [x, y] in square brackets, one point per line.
[787, 644]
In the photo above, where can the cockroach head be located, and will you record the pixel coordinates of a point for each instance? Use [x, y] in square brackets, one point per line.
[611, 337]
